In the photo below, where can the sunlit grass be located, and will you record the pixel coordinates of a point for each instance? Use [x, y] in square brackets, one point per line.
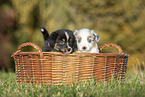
[133, 86]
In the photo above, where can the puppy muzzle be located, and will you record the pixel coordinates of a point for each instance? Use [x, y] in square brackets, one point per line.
[68, 50]
[84, 48]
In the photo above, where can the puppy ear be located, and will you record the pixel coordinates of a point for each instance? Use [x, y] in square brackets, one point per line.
[97, 37]
[75, 45]
[75, 33]
[45, 33]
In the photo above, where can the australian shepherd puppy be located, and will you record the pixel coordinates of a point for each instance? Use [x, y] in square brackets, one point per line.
[87, 41]
[62, 40]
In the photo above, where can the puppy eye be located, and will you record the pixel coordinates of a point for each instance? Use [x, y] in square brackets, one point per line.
[79, 40]
[89, 40]
[62, 42]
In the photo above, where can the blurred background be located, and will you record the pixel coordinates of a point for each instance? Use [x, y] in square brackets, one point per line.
[116, 21]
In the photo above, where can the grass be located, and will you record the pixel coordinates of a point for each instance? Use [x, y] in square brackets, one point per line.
[133, 86]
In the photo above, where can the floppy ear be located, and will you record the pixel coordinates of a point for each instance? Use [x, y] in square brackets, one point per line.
[75, 33]
[45, 33]
[97, 37]
[75, 45]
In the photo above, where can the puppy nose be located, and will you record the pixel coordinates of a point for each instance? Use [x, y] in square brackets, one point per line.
[68, 49]
[84, 48]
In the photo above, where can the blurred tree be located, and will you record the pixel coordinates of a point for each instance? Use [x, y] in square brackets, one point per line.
[7, 26]
[33, 14]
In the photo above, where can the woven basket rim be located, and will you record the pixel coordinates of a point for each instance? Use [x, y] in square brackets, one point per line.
[74, 54]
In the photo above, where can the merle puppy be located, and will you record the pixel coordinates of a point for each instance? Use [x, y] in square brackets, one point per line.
[62, 40]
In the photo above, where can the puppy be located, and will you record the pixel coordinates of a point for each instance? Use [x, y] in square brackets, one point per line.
[87, 41]
[62, 40]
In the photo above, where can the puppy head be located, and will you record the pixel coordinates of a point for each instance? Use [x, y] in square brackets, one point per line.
[64, 41]
[86, 39]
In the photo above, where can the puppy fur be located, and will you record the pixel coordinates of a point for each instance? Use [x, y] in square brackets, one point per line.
[62, 40]
[87, 41]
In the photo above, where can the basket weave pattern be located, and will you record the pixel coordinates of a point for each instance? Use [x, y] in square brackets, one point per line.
[58, 68]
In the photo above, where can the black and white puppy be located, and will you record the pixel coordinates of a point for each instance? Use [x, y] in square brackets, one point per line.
[62, 40]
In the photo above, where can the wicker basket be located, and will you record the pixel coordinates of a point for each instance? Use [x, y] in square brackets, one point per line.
[58, 68]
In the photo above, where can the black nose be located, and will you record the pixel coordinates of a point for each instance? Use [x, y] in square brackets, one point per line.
[84, 48]
[68, 49]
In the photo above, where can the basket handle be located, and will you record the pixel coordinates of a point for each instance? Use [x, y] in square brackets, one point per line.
[113, 45]
[27, 44]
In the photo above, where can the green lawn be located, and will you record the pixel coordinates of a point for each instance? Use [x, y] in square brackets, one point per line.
[133, 86]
